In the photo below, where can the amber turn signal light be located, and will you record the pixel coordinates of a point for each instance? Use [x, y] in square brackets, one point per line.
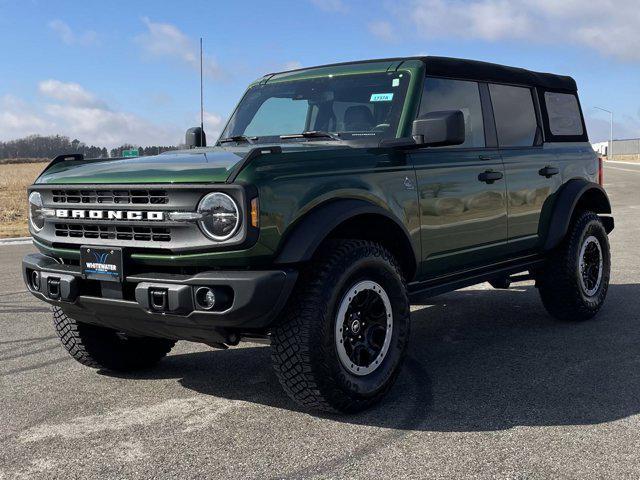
[255, 213]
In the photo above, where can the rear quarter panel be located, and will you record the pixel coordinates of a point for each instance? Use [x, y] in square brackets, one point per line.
[575, 160]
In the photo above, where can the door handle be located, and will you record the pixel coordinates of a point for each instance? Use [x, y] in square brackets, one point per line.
[485, 158]
[490, 177]
[548, 172]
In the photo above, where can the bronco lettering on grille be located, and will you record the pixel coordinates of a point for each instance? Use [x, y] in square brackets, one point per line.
[110, 214]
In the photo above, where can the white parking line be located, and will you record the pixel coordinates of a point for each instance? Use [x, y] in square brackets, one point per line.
[623, 169]
[622, 163]
[16, 241]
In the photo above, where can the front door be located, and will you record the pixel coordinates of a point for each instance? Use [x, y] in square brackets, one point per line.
[462, 189]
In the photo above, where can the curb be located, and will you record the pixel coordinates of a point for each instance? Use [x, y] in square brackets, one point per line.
[15, 241]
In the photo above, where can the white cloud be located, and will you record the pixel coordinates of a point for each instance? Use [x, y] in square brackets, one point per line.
[212, 120]
[168, 41]
[608, 26]
[213, 124]
[70, 93]
[292, 65]
[331, 5]
[383, 30]
[69, 109]
[17, 118]
[68, 36]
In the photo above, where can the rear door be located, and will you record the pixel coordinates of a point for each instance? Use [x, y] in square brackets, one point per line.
[461, 189]
[532, 170]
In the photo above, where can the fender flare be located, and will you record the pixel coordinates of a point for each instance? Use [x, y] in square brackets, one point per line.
[556, 217]
[305, 235]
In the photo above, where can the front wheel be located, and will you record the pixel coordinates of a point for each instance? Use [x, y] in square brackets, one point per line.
[108, 349]
[343, 337]
[575, 280]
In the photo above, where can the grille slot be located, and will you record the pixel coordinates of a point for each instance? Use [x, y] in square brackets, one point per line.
[111, 232]
[112, 197]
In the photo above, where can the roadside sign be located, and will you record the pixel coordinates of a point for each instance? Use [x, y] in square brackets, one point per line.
[130, 153]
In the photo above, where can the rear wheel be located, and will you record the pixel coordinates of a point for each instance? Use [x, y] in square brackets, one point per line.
[108, 349]
[343, 337]
[574, 283]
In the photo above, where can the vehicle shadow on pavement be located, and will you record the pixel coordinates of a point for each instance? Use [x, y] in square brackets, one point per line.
[479, 360]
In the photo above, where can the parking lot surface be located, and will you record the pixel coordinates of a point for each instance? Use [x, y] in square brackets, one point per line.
[492, 388]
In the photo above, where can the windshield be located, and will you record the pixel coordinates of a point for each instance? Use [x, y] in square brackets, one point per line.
[364, 107]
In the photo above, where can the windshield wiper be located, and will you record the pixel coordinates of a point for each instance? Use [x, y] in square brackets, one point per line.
[311, 134]
[237, 139]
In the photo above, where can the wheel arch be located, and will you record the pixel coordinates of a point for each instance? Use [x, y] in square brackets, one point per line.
[348, 218]
[575, 195]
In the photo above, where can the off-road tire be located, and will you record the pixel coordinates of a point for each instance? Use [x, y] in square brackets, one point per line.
[559, 282]
[106, 349]
[304, 352]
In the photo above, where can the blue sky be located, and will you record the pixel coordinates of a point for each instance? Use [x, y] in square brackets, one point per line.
[114, 72]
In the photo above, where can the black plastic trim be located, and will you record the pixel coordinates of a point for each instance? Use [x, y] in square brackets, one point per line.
[306, 235]
[488, 119]
[258, 298]
[249, 157]
[558, 210]
[419, 291]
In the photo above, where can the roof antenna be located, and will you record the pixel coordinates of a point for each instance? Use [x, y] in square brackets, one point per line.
[201, 91]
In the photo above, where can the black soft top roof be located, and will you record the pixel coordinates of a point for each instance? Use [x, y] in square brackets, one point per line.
[492, 72]
[472, 70]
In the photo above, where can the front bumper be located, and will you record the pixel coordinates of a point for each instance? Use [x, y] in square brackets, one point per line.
[252, 300]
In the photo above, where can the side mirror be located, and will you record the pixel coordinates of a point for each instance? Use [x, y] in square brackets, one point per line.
[195, 137]
[439, 129]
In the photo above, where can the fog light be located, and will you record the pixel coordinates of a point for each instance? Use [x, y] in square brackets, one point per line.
[205, 298]
[35, 280]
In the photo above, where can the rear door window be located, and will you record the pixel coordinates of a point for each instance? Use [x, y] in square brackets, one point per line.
[515, 115]
[564, 114]
[443, 94]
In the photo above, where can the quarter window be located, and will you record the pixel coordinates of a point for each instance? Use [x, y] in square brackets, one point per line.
[564, 114]
[443, 94]
[515, 115]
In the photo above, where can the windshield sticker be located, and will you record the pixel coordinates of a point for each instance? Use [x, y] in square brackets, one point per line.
[381, 97]
[395, 82]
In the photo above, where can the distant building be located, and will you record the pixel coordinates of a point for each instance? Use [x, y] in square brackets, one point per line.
[628, 149]
[601, 148]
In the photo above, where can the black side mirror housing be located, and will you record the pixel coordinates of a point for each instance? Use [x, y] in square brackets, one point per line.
[439, 129]
[195, 137]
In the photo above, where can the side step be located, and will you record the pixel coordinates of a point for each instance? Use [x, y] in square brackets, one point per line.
[420, 291]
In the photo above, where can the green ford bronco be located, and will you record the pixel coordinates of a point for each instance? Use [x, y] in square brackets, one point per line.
[335, 198]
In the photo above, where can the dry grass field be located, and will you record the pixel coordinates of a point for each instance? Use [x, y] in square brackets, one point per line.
[14, 180]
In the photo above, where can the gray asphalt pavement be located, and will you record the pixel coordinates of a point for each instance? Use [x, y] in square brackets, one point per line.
[492, 388]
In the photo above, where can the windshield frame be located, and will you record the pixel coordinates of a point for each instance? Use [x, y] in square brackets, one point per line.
[414, 71]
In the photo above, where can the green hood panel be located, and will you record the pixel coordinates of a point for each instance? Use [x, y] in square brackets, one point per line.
[175, 167]
[204, 165]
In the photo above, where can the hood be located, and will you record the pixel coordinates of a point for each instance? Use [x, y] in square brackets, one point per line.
[204, 165]
[174, 167]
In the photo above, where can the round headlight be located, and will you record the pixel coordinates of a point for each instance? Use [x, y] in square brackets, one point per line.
[36, 215]
[220, 216]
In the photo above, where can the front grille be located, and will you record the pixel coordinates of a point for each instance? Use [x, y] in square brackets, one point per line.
[109, 196]
[111, 232]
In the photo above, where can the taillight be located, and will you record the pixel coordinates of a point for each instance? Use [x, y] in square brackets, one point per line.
[600, 172]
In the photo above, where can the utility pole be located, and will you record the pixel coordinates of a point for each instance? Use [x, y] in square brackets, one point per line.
[610, 150]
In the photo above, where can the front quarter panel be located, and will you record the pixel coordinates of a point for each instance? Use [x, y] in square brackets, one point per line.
[293, 184]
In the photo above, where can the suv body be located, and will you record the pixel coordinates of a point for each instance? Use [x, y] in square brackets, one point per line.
[446, 172]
